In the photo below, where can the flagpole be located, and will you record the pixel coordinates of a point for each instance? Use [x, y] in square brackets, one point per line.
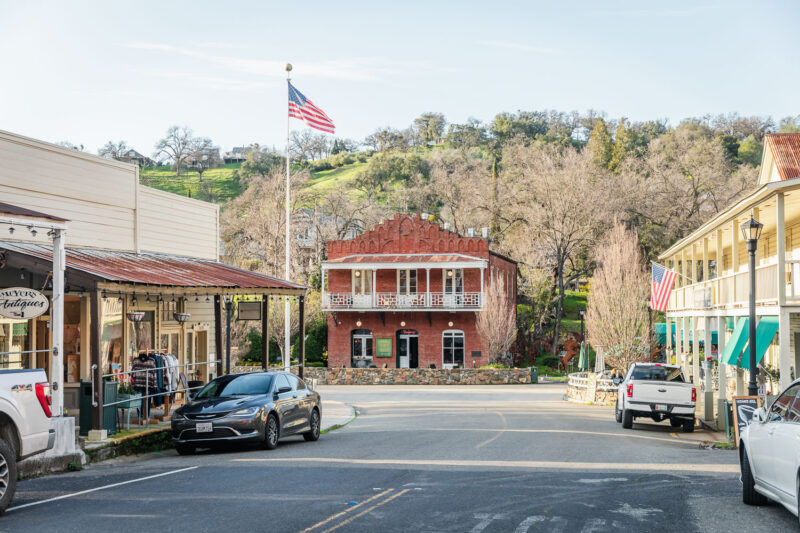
[676, 272]
[287, 310]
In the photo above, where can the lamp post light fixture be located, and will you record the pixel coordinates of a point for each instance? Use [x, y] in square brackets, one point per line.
[751, 230]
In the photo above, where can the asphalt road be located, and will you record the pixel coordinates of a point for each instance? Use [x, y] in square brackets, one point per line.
[460, 459]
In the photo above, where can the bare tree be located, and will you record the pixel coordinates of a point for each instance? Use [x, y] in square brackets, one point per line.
[496, 324]
[72, 146]
[204, 155]
[112, 150]
[617, 315]
[558, 197]
[177, 145]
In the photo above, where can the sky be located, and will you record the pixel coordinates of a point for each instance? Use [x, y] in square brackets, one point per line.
[90, 72]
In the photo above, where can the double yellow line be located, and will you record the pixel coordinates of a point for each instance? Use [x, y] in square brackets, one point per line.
[349, 517]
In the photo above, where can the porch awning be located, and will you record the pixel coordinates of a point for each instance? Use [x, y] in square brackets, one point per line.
[393, 261]
[146, 269]
[765, 332]
[736, 342]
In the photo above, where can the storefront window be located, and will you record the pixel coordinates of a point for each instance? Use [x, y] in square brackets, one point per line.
[452, 348]
[72, 339]
[111, 340]
[142, 334]
[14, 338]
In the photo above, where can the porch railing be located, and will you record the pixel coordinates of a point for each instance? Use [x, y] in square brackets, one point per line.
[734, 288]
[394, 300]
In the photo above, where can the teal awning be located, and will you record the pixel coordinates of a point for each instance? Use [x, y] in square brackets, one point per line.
[660, 334]
[765, 332]
[736, 342]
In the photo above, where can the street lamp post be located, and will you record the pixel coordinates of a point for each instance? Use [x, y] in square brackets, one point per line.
[650, 328]
[581, 312]
[751, 230]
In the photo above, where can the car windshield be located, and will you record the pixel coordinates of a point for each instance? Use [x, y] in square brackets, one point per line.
[657, 373]
[241, 385]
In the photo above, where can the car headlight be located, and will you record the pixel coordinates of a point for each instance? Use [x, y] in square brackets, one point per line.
[246, 412]
[178, 416]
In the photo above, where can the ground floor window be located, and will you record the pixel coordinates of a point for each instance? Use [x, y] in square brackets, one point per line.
[452, 348]
[361, 348]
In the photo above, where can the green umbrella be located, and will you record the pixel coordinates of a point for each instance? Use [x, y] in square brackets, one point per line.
[583, 363]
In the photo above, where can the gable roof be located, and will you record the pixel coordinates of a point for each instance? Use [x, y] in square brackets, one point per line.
[785, 148]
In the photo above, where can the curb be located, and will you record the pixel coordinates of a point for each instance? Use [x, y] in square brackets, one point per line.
[334, 427]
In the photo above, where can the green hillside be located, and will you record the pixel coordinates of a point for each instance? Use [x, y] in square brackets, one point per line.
[219, 184]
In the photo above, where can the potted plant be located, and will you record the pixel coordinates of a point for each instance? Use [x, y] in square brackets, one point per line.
[127, 392]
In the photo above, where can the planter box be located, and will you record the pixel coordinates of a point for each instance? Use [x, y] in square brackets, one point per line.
[134, 401]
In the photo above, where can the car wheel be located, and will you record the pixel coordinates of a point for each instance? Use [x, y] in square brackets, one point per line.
[688, 426]
[617, 413]
[8, 474]
[675, 422]
[185, 449]
[627, 419]
[271, 433]
[749, 494]
[313, 422]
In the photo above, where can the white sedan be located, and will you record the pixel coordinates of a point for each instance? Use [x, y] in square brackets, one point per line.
[769, 453]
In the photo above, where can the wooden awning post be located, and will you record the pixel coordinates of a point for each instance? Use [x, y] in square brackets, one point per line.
[95, 338]
[302, 311]
[218, 332]
[265, 332]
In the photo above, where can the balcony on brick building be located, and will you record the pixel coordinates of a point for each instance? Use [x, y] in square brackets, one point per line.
[404, 282]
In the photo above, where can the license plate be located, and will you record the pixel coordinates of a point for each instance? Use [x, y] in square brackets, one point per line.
[659, 407]
[204, 427]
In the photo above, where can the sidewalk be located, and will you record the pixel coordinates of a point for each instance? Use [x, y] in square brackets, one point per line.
[336, 414]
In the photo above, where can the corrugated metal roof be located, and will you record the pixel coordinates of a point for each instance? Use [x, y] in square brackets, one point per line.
[785, 149]
[405, 258]
[154, 269]
[8, 209]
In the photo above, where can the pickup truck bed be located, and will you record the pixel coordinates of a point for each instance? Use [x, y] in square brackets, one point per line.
[658, 392]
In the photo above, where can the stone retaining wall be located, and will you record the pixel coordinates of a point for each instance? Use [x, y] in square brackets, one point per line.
[412, 376]
[583, 387]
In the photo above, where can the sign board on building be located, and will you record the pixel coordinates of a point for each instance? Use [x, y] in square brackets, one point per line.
[383, 347]
[249, 311]
[476, 353]
[22, 304]
[743, 409]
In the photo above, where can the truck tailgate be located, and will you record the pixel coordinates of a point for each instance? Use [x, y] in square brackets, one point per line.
[662, 392]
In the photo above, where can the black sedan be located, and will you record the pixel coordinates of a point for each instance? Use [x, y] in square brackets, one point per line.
[255, 407]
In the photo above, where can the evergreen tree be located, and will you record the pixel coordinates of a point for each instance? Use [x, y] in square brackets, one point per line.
[624, 143]
[600, 144]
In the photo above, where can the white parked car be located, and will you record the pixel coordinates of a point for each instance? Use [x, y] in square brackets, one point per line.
[769, 452]
[25, 427]
[658, 392]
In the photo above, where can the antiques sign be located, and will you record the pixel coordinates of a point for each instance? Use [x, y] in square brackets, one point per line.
[22, 304]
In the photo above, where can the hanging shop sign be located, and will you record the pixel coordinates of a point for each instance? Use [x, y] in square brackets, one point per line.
[22, 304]
[249, 311]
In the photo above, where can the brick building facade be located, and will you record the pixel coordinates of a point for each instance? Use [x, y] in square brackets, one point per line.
[407, 294]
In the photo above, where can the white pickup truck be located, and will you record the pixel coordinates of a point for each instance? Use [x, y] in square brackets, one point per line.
[656, 391]
[25, 427]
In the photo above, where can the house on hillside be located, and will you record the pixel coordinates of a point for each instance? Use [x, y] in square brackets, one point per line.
[134, 157]
[238, 154]
[713, 286]
[407, 294]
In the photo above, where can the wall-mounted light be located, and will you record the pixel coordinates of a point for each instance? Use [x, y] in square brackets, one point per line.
[133, 300]
[119, 298]
[403, 324]
[449, 273]
[32, 230]
[207, 298]
[11, 230]
[358, 323]
[358, 273]
[148, 298]
[450, 324]
[22, 273]
[196, 298]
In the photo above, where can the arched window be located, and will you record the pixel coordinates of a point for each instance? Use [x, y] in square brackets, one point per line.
[452, 348]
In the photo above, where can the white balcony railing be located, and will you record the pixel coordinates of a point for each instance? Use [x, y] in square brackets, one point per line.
[401, 301]
[734, 289]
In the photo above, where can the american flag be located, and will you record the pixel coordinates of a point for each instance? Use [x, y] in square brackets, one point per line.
[304, 109]
[661, 287]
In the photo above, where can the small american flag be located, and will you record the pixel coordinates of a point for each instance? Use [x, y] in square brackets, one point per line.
[661, 287]
[304, 109]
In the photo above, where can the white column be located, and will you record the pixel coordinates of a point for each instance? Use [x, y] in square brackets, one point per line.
[322, 275]
[705, 259]
[57, 325]
[668, 341]
[780, 224]
[784, 354]
[481, 287]
[695, 350]
[735, 257]
[685, 321]
[722, 336]
[374, 297]
[427, 287]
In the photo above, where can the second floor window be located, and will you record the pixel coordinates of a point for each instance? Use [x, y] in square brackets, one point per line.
[362, 281]
[407, 281]
[453, 280]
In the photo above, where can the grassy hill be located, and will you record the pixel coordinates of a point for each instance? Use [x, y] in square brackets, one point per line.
[219, 184]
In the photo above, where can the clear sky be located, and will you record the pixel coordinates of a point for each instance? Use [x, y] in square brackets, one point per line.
[89, 72]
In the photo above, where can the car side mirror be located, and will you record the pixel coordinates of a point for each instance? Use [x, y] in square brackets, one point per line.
[760, 414]
[283, 390]
[192, 396]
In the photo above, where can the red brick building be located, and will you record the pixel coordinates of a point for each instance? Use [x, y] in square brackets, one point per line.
[406, 294]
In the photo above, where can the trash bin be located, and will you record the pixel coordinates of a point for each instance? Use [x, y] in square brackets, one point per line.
[534, 375]
[109, 413]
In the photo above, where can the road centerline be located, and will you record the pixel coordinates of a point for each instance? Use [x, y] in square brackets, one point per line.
[342, 513]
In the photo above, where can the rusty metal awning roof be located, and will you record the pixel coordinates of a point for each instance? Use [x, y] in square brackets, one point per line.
[786, 151]
[15, 210]
[155, 269]
[406, 261]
